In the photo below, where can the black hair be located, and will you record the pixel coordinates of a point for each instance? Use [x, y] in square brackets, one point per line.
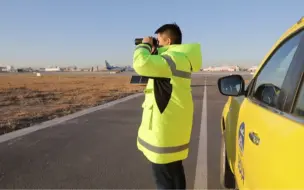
[173, 31]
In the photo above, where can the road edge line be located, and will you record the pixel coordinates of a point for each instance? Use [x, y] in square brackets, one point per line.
[56, 121]
[200, 181]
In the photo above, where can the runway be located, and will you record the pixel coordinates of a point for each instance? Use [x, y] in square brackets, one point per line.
[98, 150]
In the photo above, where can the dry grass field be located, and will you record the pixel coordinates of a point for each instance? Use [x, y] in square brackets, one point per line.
[27, 99]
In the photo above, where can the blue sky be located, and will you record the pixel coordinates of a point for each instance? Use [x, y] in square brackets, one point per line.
[86, 32]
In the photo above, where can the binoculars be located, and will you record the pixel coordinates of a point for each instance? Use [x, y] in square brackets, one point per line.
[139, 41]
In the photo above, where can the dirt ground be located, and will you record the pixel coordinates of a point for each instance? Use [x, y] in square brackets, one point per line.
[26, 99]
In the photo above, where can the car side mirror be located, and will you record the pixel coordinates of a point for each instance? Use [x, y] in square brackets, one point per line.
[232, 85]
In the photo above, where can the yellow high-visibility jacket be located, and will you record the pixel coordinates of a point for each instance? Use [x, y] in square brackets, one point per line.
[166, 125]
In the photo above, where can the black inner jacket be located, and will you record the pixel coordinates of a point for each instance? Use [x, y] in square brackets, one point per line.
[162, 89]
[162, 92]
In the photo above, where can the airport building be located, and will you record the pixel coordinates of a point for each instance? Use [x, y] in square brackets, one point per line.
[6, 68]
[222, 68]
[253, 68]
[53, 69]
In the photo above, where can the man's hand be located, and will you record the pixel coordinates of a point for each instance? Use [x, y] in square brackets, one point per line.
[148, 40]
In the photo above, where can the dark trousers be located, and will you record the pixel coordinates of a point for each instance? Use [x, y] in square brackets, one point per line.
[169, 176]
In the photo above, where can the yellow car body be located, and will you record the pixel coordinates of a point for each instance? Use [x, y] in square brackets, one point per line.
[263, 128]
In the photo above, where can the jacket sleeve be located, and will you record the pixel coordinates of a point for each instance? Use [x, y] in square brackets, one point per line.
[149, 65]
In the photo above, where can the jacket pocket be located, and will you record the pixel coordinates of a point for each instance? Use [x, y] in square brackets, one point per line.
[147, 115]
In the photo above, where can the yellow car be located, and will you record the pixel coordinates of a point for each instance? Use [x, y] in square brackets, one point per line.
[263, 123]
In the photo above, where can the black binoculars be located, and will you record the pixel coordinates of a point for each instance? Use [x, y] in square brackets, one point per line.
[139, 41]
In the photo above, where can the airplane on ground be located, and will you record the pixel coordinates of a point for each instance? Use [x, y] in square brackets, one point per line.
[114, 68]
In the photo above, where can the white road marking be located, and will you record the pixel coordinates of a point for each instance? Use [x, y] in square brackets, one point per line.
[200, 181]
[57, 121]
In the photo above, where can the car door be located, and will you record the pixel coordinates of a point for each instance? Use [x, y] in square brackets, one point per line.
[269, 154]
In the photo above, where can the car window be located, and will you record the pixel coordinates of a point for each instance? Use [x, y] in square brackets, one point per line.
[269, 81]
[299, 106]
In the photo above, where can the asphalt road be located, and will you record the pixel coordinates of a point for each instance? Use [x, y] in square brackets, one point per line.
[98, 150]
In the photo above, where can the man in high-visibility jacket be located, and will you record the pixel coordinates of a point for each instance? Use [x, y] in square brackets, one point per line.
[166, 125]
